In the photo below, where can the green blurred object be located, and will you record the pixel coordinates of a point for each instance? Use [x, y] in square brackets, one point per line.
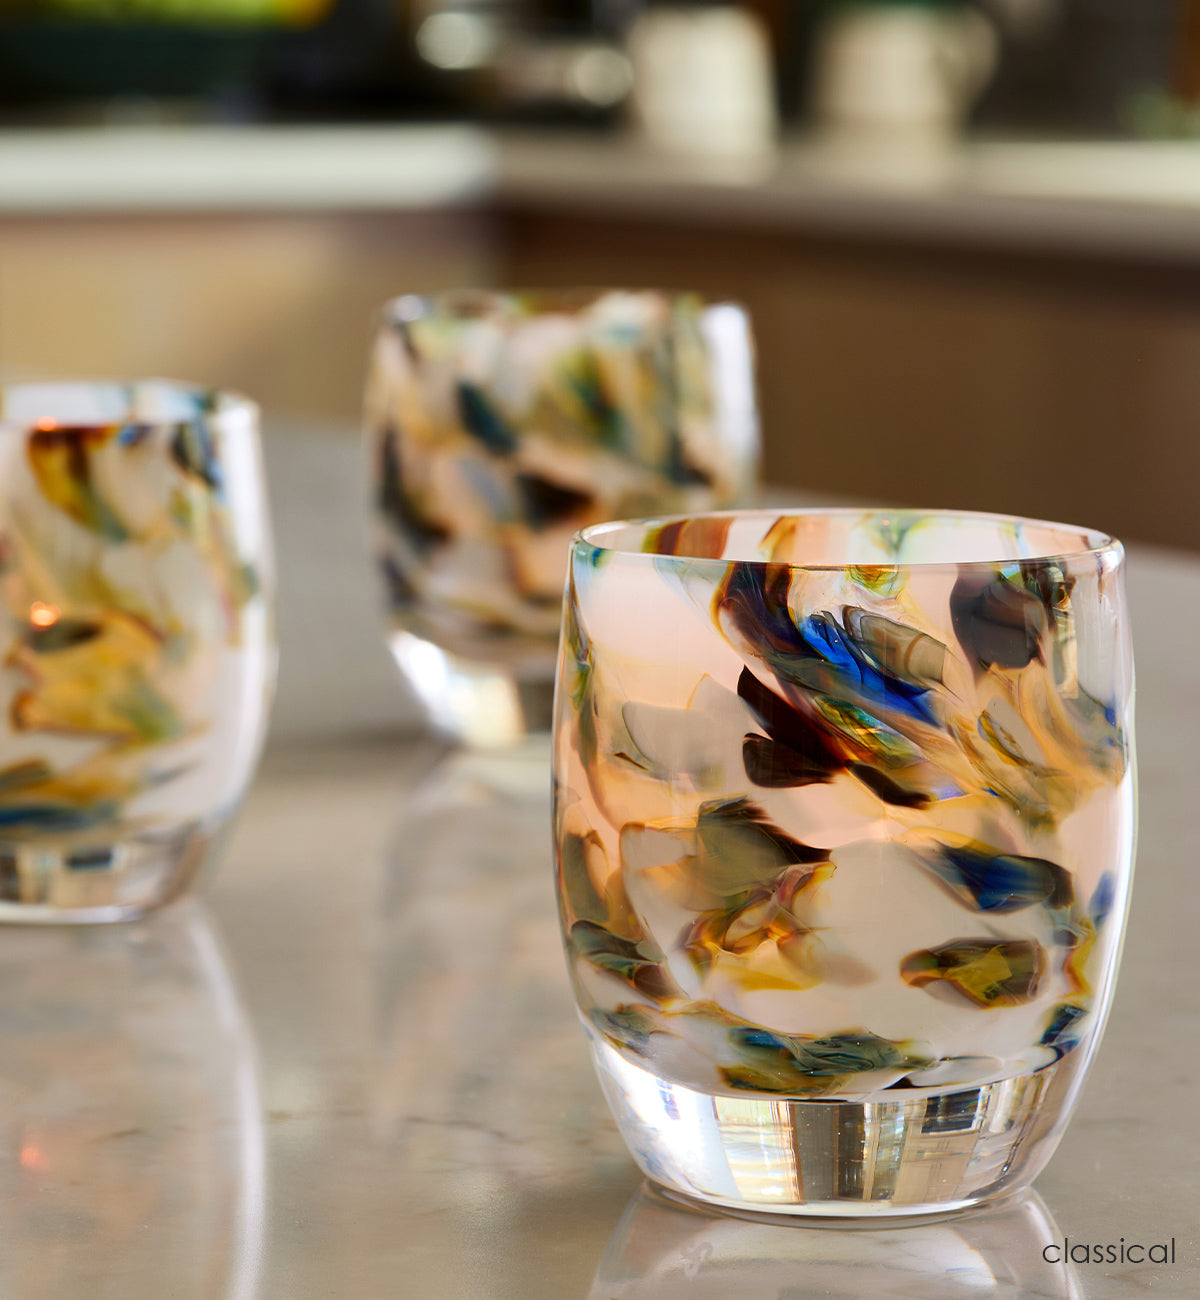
[203, 13]
[71, 50]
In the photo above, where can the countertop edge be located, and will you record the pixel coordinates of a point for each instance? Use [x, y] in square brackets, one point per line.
[1117, 199]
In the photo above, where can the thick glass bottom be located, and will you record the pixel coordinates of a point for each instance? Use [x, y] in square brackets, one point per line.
[51, 883]
[906, 1152]
[473, 702]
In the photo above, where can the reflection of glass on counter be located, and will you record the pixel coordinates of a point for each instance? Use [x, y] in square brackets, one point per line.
[467, 967]
[482, 1098]
[130, 1096]
[663, 1250]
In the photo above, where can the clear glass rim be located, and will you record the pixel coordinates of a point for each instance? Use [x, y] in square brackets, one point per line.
[523, 303]
[206, 401]
[1095, 545]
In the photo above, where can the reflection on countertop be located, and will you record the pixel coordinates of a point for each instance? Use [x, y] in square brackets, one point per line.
[665, 1250]
[470, 993]
[130, 1094]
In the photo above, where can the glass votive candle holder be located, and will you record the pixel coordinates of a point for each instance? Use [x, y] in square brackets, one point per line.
[136, 585]
[498, 425]
[844, 808]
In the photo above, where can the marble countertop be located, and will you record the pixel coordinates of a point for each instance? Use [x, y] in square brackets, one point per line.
[351, 1067]
[1116, 198]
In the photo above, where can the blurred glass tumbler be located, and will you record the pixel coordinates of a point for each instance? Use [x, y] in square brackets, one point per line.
[499, 424]
[136, 573]
[844, 810]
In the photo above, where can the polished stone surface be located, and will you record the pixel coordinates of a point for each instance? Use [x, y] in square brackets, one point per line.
[352, 1067]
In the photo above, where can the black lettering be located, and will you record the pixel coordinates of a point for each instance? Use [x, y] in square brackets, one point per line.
[1081, 1252]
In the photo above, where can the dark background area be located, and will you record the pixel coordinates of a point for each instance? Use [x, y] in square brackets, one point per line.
[1129, 67]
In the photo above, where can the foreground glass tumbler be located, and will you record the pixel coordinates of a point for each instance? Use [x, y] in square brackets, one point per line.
[844, 810]
[500, 424]
[138, 642]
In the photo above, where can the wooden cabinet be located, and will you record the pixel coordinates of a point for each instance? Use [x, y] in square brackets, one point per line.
[279, 305]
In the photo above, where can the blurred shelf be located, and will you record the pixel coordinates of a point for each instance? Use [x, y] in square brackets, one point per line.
[1119, 198]
[189, 169]
[1093, 198]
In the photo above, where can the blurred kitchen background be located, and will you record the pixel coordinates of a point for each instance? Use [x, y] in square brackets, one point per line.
[968, 233]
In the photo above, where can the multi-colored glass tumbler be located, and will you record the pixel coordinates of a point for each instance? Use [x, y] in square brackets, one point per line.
[844, 811]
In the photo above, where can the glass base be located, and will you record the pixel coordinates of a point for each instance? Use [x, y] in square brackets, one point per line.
[915, 1152]
[55, 884]
[481, 704]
